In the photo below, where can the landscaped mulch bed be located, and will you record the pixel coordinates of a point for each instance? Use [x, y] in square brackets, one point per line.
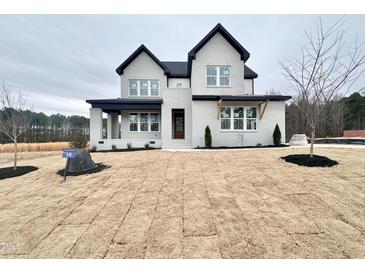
[9, 172]
[306, 160]
[124, 150]
[99, 167]
[240, 147]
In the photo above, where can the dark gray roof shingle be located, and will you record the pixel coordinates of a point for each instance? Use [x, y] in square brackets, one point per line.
[177, 68]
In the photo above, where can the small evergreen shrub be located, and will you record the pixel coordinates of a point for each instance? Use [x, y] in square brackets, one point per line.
[92, 149]
[146, 145]
[129, 146]
[78, 141]
[208, 137]
[258, 144]
[277, 135]
[114, 147]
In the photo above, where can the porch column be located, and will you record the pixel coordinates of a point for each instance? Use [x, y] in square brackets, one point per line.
[109, 126]
[115, 125]
[96, 125]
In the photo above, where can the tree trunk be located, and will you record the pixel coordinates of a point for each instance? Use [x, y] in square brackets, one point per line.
[313, 133]
[15, 153]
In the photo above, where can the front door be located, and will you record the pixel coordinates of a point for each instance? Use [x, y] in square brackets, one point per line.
[178, 124]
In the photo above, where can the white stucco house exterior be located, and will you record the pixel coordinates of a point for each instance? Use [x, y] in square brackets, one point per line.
[169, 104]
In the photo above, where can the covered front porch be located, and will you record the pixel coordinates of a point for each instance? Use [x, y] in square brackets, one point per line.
[128, 123]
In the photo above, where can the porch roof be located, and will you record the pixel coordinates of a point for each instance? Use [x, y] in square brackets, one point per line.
[110, 105]
[241, 98]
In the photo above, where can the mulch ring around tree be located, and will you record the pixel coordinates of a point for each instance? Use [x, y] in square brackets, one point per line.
[9, 172]
[99, 167]
[306, 160]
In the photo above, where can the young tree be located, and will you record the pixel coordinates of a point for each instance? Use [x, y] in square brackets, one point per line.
[13, 121]
[327, 67]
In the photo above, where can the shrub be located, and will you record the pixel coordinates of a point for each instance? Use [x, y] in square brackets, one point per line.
[114, 147]
[208, 137]
[129, 146]
[146, 145]
[93, 149]
[258, 144]
[78, 141]
[277, 135]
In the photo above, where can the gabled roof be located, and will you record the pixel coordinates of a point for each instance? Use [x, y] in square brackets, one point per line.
[230, 39]
[183, 69]
[134, 55]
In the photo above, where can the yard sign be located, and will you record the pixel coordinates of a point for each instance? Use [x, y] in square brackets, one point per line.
[69, 154]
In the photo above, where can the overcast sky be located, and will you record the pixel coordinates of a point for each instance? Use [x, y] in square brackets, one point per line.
[60, 61]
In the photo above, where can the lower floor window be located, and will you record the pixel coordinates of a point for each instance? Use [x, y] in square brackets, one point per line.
[144, 122]
[238, 118]
[155, 122]
[133, 122]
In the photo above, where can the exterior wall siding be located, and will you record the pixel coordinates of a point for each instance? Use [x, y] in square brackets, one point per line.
[217, 52]
[143, 67]
[249, 86]
[184, 81]
[206, 113]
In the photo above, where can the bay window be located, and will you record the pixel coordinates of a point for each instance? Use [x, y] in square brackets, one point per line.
[238, 118]
[144, 122]
[144, 87]
[218, 76]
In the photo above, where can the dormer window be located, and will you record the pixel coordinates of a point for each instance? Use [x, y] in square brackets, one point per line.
[218, 76]
[144, 87]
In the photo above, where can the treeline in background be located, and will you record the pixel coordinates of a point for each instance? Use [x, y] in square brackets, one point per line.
[346, 113]
[41, 128]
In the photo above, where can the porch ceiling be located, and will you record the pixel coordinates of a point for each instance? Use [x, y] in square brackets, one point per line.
[111, 105]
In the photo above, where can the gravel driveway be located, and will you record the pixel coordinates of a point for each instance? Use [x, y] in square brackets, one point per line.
[199, 204]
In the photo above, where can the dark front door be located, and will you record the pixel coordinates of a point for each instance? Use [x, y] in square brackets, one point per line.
[178, 124]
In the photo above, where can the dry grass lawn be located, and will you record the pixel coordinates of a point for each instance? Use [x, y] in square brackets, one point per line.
[31, 147]
[161, 204]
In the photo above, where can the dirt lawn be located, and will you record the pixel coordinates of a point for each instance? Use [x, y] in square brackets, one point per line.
[199, 204]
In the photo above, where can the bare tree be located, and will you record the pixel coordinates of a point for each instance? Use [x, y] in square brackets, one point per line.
[327, 67]
[13, 121]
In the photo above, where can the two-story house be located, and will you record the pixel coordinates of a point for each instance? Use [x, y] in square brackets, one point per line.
[169, 104]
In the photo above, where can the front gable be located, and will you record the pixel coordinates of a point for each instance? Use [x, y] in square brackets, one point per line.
[141, 49]
[218, 29]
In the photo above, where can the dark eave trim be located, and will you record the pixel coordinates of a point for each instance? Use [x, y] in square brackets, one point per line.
[218, 29]
[110, 105]
[135, 54]
[241, 98]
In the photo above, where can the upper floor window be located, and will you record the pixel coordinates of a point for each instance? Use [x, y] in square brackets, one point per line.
[218, 76]
[238, 118]
[144, 87]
